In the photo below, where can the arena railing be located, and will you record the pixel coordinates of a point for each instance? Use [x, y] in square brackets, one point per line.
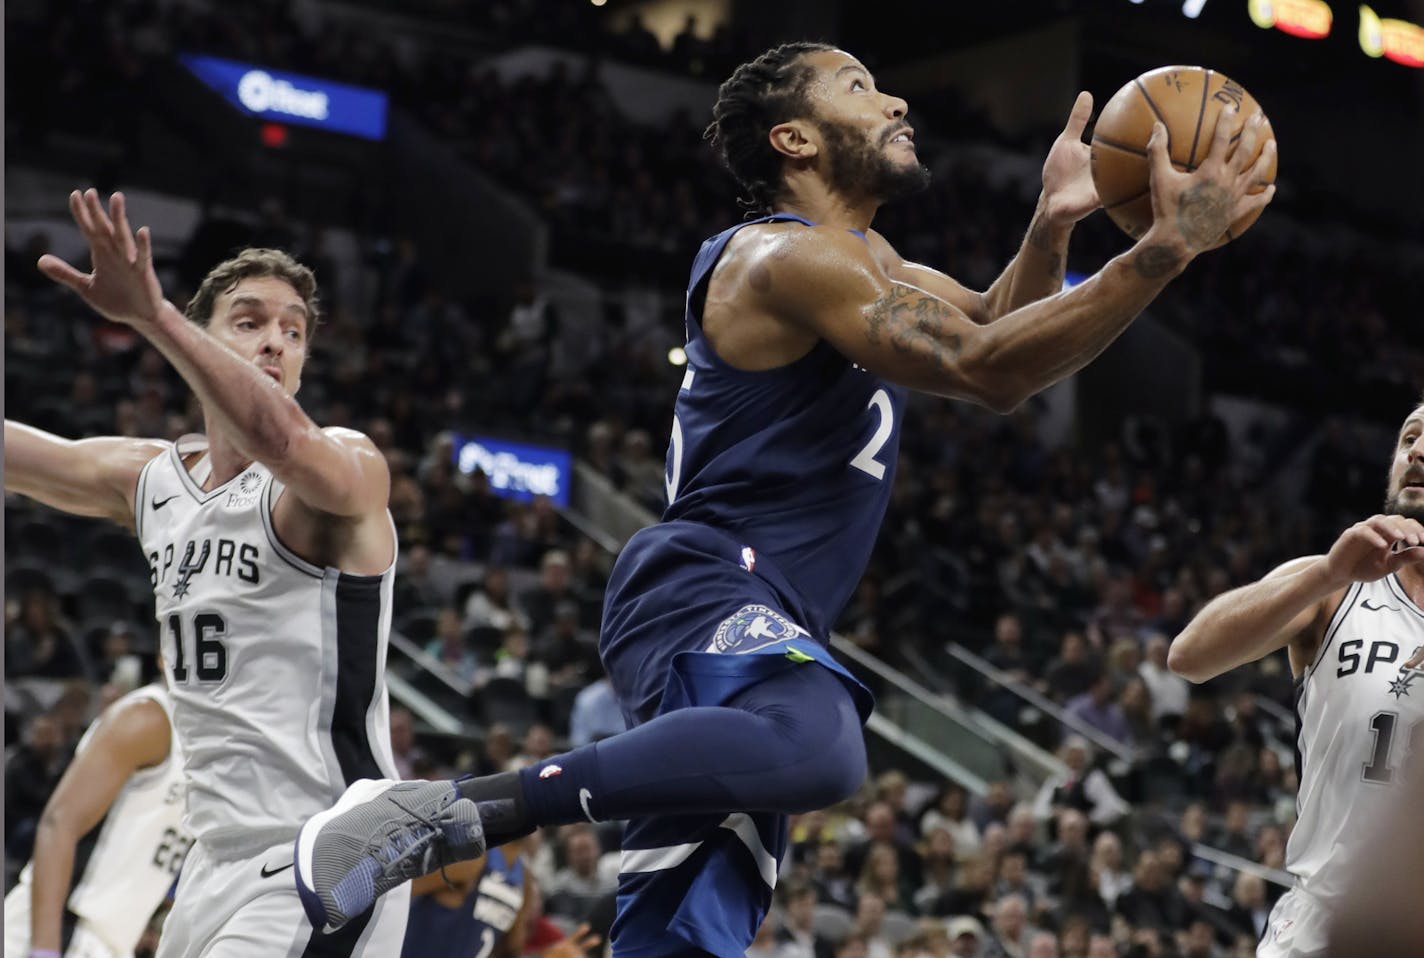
[1043, 703]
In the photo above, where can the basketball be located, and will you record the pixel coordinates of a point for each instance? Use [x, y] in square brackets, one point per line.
[1187, 100]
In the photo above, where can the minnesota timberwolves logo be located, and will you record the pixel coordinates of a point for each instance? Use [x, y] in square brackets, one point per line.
[1402, 686]
[245, 492]
[755, 627]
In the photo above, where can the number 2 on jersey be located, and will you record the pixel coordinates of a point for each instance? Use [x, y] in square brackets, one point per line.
[209, 652]
[865, 460]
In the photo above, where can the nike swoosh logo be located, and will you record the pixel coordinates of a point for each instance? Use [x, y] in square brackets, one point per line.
[584, 796]
[156, 504]
[1365, 604]
[268, 874]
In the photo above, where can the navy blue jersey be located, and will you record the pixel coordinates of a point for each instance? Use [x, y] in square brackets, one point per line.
[797, 461]
[476, 925]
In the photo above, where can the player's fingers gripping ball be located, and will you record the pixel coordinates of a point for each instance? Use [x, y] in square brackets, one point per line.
[1187, 101]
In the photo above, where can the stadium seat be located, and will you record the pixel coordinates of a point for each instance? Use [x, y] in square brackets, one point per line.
[505, 701]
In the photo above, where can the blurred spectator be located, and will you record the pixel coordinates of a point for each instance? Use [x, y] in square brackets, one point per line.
[1097, 709]
[880, 876]
[870, 924]
[1152, 902]
[554, 589]
[881, 826]
[31, 772]
[1110, 878]
[966, 937]
[38, 642]
[409, 757]
[940, 873]
[1169, 691]
[830, 879]
[492, 607]
[579, 885]
[538, 745]
[596, 713]
[950, 811]
[449, 647]
[1012, 931]
[1082, 787]
[797, 936]
[1073, 671]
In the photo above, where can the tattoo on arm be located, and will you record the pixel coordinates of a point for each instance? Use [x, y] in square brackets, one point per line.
[915, 324]
[1040, 237]
[1154, 262]
[1203, 214]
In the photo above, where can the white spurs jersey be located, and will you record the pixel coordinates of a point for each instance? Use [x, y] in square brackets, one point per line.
[136, 858]
[276, 666]
[1359, 714]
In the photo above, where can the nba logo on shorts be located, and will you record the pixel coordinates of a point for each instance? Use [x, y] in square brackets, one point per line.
[748, 558]
[549, 771]
[757, 623]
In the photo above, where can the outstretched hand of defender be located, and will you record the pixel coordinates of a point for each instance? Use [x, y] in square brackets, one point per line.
[123, 286]
[1068, 190]
[1372, 549]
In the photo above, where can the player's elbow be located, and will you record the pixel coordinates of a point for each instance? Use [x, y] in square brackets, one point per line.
[1183, 661]
[984, 378]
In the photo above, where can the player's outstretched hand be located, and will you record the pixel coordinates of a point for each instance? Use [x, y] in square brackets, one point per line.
[1068, 190]
[1372, 549]
[1200, 205]
[123, 286]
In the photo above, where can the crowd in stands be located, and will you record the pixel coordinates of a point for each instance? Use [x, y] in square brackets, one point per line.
[1068, 567]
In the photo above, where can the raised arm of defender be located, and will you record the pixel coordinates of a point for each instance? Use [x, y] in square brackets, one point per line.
[1291, 606]
[336, 472]
[831, 283]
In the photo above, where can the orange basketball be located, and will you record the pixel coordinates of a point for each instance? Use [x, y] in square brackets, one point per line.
[1187, 101]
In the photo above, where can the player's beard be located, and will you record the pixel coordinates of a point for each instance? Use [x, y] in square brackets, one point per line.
[1394, 506]
[859, 166]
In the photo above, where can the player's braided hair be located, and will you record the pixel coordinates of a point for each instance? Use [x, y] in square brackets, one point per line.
[757, 96]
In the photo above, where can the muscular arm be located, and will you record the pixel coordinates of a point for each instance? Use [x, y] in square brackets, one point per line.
[1036, 272]
[334, 471]
[129, 738]
[1284, 608]
[828, 281]
[88, 477]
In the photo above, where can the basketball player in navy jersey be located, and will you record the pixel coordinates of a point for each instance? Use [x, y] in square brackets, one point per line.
[804, 330]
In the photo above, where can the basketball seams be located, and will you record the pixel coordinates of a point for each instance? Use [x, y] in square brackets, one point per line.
[1201, 113]
[1118, 145]
[1128, 199]
[1156, 112]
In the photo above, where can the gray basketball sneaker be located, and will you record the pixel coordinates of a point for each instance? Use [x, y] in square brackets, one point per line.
[379, 835]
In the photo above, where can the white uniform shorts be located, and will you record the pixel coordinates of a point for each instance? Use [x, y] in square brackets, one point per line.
[85, 942]
[1299, 927]
[248, 907]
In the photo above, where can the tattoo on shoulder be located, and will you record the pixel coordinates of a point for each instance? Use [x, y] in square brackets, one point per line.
[1154, 262]
[915, 324]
